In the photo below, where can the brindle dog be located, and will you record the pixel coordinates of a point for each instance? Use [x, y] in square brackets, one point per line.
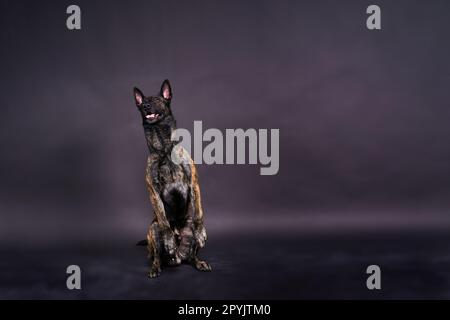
[177, 231]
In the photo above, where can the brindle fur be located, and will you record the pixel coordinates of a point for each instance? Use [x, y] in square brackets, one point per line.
[177, 231]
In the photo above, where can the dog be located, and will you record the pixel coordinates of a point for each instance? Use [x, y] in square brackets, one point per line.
[177, 231]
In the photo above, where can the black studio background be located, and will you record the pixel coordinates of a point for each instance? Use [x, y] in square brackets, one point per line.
[364, 160]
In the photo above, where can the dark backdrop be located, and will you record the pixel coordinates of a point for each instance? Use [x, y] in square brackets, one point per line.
[363, 115]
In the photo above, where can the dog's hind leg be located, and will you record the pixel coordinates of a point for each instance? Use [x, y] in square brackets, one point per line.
[154, 247]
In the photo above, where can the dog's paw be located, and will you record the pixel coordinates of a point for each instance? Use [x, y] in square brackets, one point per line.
[202, 265]
[154, 272]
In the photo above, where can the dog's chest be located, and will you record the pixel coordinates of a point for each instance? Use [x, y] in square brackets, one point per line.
[170, 173]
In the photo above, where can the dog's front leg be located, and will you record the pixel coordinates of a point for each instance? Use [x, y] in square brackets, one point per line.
[166, 236]
[199, 230]
[197, 210]
[154, 249]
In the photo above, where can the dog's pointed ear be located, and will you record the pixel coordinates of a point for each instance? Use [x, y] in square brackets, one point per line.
[138, 96]
[166, 90]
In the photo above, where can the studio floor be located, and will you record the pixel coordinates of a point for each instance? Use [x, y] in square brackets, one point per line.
[288, 266]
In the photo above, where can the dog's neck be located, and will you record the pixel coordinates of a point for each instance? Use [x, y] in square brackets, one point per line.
[159, 140]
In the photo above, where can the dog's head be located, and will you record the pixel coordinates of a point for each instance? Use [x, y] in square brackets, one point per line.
[154, 109]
